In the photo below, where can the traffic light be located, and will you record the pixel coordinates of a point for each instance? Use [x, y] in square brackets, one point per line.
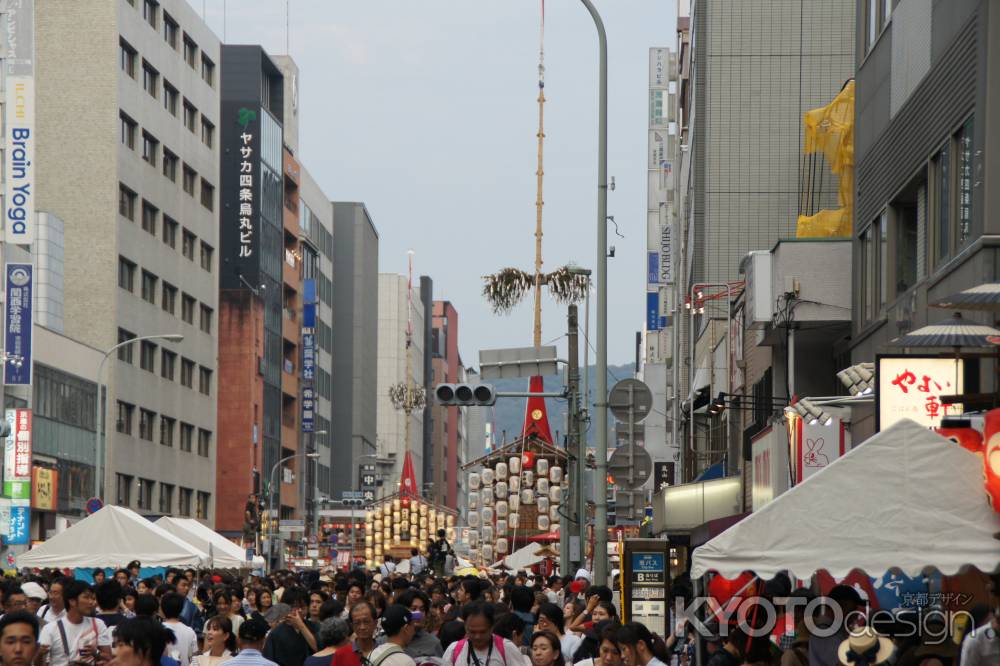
[353, 502]
[465, 395]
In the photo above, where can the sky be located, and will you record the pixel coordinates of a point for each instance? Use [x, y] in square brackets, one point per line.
[426, 111]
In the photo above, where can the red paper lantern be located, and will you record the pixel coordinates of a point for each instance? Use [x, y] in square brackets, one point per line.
[723, 589]
[528, 459]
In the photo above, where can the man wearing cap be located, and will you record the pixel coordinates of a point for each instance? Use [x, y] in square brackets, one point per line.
[399, 627]
[35, 594]
[253, 631]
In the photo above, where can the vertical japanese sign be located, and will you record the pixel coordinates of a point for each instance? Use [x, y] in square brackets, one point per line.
[652, 268]
[44, 488]
[308, 408]
[308, 356]
[910, 387]
[19, 121]
[17, 456]
[652, 311]
[17, 324]
[239, 230]
[246, 191]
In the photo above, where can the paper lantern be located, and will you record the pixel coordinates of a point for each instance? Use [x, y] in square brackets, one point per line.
[527, 496]
[487, 514]
[556, 474]
[473, 499]
[369, 540]
[473, 539]
[502, 509]
[513, 520]
[514, 464]
[514, 501]
[423, 522]
[370, 564]
[487, 533]
[528, 479]
[528, 459]
[369, 516]
[396, 506]
[501, 490]
[487, 497]
[423, 509]
[377, 524]
[556, 493]
[424, 535]
[542, 486]
[515, 484]
[543, 503]
[554, 526]
[474, 481]
[554, 512]
[473, 519]
[488, 552]
[501, 546]
[543, 521]
[488, 476]
[542, 467]
[396, 517]
[501, 471]
[369, 553]
[387, 509]
[501, 526]
[441, 521]
[378, 537]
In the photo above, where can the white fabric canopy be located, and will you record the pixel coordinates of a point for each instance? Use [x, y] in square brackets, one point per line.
[522, 558]
[905, 498]
[113, 537]
[222, 552]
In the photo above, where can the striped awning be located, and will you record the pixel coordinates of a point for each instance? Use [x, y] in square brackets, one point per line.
[954, 332]
[983, 297]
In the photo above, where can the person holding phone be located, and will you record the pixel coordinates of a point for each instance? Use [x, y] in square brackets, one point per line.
[293, 638]
[77, 638]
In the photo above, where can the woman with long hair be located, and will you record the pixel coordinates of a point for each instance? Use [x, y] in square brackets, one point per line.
[599, 647]
[639, 647]
[220, 642]
[551, 619]
[546, 650]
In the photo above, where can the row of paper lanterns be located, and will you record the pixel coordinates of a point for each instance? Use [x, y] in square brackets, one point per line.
[387, 523]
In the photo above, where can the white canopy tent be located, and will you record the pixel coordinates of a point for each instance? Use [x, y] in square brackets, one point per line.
[112, 537]
[522, 558]
[222, 552]
[905, 498]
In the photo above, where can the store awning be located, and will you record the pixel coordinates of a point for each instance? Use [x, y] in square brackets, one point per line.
[905, 498]
[680, 509]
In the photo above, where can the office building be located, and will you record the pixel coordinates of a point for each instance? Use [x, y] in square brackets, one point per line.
[447, 368]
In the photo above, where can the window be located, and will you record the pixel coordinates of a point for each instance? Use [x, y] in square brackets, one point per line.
[146, 419]
[170, 30]
[150, 146]
[128, 129]
[168, 299]
[168, 365]
[207, 194]
[150, 8]
[125, 351]
[207, 70]
[126, 202]
[206, 256]
[150, 79]
[126, 57]
[149, 215]
[187, 308]
[204, 381]
[207, 132]
[146, 494]
[126, 274]
[202, 507]
[170, 231]
[190, 116]
[204, 442]
[147, 356]
[123, 485]
[149, 287]
[187, 373]
[190, 51]
[963, 146]
[878, 13]
[125, 414]
[205, 319]
[190, 179]
[874, 267]
[166, 498]
[942, 203]
[167, 430]
[184, 508]
[170, 97]
[187, 244]
[187, 436]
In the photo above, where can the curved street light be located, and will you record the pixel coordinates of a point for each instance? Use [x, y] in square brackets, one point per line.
[99, 470]
[271, 533]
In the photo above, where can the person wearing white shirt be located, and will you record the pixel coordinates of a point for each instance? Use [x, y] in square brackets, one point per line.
[55, 609]
[77, 636]
[418, 563]
[185, 644]
[388, 566]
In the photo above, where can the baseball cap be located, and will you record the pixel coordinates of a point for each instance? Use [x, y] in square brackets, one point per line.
[254, 628]
[395, 618]
[34, 591]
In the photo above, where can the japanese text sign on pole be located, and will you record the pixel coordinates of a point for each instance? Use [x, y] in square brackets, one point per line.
[308, 408]
[308, 356]
[17, 324]
[17, 30]
[910, 387]
[17, 456]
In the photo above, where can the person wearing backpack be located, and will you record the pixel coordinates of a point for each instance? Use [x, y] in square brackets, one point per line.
[481, 647]
[399, 627]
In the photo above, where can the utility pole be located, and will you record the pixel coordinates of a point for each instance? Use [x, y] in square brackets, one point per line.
[601, 390]
[577, 466]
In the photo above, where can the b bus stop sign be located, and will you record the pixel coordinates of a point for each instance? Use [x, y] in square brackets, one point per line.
[646, 583]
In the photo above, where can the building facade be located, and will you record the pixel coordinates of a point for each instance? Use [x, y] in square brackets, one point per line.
[128, 157]
[447, 368]
[355, 342]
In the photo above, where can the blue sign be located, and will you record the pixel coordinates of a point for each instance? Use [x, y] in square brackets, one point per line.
[308, 409]
[17, 324]
[94, 505]
[647, 562]
[20, 523]
[309, 315]
[308, 356]
[652, 310]
[653, 267]
[309, 291]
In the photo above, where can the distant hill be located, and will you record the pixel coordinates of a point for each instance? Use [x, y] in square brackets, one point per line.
[509, 412]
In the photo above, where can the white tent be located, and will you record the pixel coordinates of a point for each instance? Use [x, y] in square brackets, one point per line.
[522, 558]
[222, 552]
[905, 498]
[112, 537]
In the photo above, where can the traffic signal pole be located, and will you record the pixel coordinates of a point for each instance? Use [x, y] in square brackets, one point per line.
[577, 465]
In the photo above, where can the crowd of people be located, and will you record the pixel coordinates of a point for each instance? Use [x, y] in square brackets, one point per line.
[360, 618]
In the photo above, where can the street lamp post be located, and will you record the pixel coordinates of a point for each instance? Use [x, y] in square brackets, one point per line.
[601, 403]
[270, 499]
[99, 413]
[315, 482]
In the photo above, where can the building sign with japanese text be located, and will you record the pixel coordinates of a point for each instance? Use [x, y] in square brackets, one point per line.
[239, 233]
[910, 387]
[17, 324]
[308, 408]
[308, 357]
[44, 488]
[17, 455]
[18, 31]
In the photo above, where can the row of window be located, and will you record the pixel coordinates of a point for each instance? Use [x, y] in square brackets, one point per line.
[168, 362]
[153, 13]
[150, 220]
[167, 293]
[153, 155]
[927, 223]
[145, 488]
[147, 429]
